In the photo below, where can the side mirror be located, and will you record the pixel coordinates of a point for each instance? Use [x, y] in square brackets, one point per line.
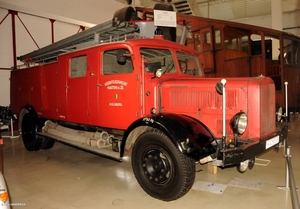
[121, 56]
[219, 88]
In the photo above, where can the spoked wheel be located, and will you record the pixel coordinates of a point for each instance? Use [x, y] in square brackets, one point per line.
[31, 141]
[160, 168]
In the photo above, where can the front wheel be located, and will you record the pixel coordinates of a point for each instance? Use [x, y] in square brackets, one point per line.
[160, 168]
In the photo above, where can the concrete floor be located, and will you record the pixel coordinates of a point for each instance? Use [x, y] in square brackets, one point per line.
[65, 177]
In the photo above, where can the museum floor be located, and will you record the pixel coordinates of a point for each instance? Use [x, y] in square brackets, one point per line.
[68, 178]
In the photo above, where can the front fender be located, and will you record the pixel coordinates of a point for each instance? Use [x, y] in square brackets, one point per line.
[189, 135]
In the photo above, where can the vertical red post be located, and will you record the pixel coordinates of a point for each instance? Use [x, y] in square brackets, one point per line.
[52, 30]
[13, 24]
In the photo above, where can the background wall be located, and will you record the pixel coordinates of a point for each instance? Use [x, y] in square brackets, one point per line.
[90, 11]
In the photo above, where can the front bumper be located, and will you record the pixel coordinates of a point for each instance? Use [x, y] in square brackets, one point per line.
[252, 148]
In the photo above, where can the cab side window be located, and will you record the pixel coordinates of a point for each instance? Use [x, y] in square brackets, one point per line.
[116, 61]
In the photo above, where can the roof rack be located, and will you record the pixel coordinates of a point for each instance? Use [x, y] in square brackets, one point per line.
[108, 31]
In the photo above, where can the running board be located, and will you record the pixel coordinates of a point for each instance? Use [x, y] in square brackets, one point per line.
[95, 150]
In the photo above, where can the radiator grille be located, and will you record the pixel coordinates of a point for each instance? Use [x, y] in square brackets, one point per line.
[267, 111]
[209, 99]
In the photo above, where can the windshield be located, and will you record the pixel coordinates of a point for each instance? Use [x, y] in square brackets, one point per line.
[163, 59]
[188, 64]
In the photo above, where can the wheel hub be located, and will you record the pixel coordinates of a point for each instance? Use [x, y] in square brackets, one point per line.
[156, 166]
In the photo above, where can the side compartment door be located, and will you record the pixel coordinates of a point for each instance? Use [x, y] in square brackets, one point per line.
[119, 90]
[61, 87]
[77, 89]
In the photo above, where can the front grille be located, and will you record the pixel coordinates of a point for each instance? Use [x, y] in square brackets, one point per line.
[206, 100]
[267, 111]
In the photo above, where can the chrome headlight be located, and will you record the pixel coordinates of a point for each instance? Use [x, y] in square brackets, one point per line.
[239, 123]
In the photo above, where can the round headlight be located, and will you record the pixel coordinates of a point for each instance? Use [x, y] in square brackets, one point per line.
[239, 123]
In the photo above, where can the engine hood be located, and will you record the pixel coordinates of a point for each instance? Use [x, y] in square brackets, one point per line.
[199, 98]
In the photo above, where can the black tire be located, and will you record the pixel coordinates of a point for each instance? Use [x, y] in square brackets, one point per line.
[251, 163]
[160, 168]
[47, 143]
[31, 141]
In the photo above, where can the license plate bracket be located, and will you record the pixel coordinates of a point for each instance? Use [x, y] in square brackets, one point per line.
[271, 142]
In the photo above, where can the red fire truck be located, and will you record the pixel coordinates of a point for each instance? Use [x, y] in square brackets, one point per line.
[110, 92]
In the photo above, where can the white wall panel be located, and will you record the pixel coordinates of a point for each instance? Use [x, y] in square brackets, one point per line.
[6, 58]
[263, 21]
[291, 22]
[93, 11]
[6, 49]
[69, 29]
[4, 87]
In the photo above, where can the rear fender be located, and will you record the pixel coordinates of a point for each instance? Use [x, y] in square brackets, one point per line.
[189, 135]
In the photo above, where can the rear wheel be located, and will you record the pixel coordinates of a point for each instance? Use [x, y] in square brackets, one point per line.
[31, 141]
[160, 168]
[47, 143]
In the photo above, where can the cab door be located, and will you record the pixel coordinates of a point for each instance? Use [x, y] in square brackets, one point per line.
[119, 90]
